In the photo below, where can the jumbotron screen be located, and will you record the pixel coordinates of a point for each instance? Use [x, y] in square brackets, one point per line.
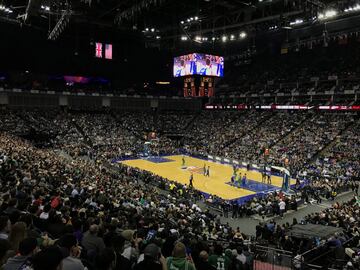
[199, 64]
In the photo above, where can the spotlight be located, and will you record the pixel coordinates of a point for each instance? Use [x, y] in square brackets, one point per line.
[158, 37]
[197, 38]
[182, 22]
[330, 13]
[196, 18]
[152, 30]
[242, 35]
[184, 38]
[232, 37]
[327, 14]
[146, 29]
[224, 38]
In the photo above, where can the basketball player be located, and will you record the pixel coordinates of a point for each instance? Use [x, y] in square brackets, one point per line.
[204, 168]
[191, 181]
[238, 180]
[183, 161]
[263, 176]
[244, 180]
[232, 180]
[269, 178]
[208, 172]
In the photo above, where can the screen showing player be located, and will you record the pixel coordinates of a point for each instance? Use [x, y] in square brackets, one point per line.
[199, 64]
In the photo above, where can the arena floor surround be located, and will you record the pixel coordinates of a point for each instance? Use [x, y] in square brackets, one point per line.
[170, 167]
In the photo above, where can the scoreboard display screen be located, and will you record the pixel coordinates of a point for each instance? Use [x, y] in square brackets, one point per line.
[198, 64]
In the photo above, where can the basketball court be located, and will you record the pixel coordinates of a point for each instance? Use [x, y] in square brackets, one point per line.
[219, 182]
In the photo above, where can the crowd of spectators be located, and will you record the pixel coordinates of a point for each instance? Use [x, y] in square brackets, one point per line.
[124, 217]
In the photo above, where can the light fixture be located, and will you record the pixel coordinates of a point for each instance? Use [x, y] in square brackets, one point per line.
[232, 37]
[224, 38]
[196, 18]
[146, 29]
[182, 22]
[330, 13]
[242, 34]
[197, 38]
[184, 38]
[152, 30]
[213, 38]
[296, 22]
[158, 37]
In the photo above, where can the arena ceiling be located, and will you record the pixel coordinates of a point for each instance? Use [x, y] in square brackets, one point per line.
[175, 24]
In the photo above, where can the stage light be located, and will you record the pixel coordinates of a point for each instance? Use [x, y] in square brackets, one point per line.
[188, 20]
[184, 38]
[2, 7]
[243, 35]
[197, 38]
[152, 30]
[213, 38]
[158, 37]
[196, 18]
[330, 13]
[327, 14]
[182, 22]
[224, 38]
[232, 37]
[296, 22]
[146, 29]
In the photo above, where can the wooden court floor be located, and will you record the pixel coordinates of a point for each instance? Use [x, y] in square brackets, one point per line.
[216, 184]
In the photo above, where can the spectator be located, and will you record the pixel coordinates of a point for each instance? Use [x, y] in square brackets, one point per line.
[218, 259]
[203, 263]
[105, 260]
[179, 259]
[71, 252]
[4, 249]
[92, 243]
[27, 248]
[130, 246]
[282, 207]
[5, 227]
[48, 259]
[153, 259]
[17, 234]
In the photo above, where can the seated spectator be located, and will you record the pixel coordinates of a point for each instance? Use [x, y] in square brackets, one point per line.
[130, 246]
[5, 227]
[71, 252]
[105, 260]
[218, 259]
[4, 249]
[48, 259]
[27, 248]
[153, 259]
[92, 242]
[179, 259]
[17, 234]
[203, 263]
